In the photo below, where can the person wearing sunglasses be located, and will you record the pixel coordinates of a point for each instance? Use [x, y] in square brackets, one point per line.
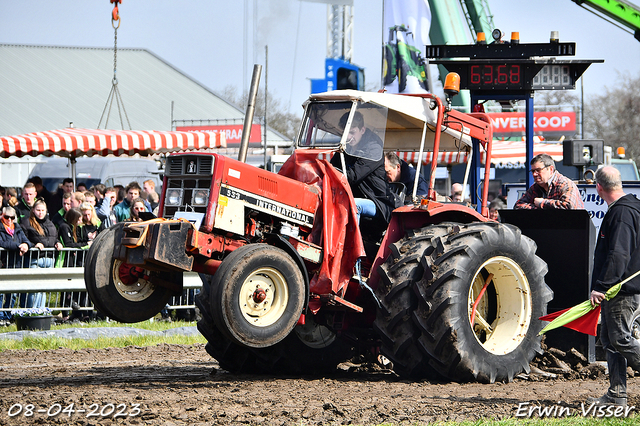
[550, 190]
[12, 239]
[15, 245]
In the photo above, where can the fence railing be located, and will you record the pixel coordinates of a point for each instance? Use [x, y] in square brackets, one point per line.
[55, 279]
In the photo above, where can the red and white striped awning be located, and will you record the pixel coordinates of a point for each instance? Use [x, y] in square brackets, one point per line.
[443, 157]
[72, 142]
[502, 152]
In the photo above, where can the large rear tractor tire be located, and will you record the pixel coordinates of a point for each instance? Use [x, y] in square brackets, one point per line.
[394, 320]
[403, 73]
[127, 300]
[487, 273]
[257, 295]
[388, 65]
[89, 274]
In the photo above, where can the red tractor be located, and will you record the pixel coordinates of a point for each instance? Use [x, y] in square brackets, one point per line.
[442, 291]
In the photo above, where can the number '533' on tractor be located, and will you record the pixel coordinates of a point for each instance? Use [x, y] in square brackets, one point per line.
[292, 284]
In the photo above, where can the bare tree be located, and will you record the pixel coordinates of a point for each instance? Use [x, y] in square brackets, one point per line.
[557, 97]
[614, 116]
[278, 118]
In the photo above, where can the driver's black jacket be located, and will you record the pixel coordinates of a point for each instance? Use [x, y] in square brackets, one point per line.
[367, 178]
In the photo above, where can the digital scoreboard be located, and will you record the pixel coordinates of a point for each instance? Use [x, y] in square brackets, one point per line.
[517, 74]
[509, 67]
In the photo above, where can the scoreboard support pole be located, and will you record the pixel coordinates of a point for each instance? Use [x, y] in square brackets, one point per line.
[476, 176]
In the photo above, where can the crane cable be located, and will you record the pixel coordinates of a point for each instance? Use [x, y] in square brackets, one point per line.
[115, 92]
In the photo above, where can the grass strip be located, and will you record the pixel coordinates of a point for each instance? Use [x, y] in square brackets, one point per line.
[52, 342]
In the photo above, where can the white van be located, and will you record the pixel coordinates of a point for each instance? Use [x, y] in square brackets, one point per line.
[93, 170]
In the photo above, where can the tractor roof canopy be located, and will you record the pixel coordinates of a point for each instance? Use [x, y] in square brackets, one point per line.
[398, 120]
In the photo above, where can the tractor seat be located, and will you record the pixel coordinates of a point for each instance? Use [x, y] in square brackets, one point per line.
[399, 191]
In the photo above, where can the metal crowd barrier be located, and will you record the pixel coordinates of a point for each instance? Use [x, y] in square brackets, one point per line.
[63, 282]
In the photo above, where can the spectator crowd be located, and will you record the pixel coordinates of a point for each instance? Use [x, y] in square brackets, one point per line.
[38, 225]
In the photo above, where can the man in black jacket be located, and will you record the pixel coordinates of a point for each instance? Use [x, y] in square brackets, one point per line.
[23, 208]
[365, 171]
[617, 256]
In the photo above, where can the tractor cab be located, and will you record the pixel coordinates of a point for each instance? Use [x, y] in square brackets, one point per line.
[401, 123]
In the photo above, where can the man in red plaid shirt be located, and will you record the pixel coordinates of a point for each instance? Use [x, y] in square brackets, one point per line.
[550, 190]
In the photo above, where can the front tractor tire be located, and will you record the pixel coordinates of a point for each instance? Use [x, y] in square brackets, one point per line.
[257, 295]
[441, 278]
[126, 300]
[309, 349]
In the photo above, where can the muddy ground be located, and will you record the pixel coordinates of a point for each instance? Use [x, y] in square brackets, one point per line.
[180, 385]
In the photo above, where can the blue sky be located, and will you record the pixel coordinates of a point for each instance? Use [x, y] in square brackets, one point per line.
[204, 38]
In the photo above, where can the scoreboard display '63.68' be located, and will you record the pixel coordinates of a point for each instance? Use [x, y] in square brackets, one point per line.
[517, 74]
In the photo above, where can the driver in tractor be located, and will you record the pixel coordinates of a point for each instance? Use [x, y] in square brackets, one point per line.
[366, 177]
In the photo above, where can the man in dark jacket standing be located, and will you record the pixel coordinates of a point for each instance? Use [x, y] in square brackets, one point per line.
[617, 256]
[42, 190]
[55, 202]
[365, 171]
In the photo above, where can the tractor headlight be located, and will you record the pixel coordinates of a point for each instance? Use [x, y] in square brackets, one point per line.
[174, 197]
[200, 197]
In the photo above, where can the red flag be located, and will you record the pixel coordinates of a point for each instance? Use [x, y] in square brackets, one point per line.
[587, 323]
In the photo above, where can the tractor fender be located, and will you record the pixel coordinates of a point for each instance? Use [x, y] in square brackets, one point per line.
[453, 212]
[406, 218]
[280, 242]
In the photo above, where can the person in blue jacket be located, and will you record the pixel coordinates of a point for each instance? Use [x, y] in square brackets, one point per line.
[123, 210]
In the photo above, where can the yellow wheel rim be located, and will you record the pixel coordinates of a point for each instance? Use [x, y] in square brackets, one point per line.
[263, 297]
[503, 312]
